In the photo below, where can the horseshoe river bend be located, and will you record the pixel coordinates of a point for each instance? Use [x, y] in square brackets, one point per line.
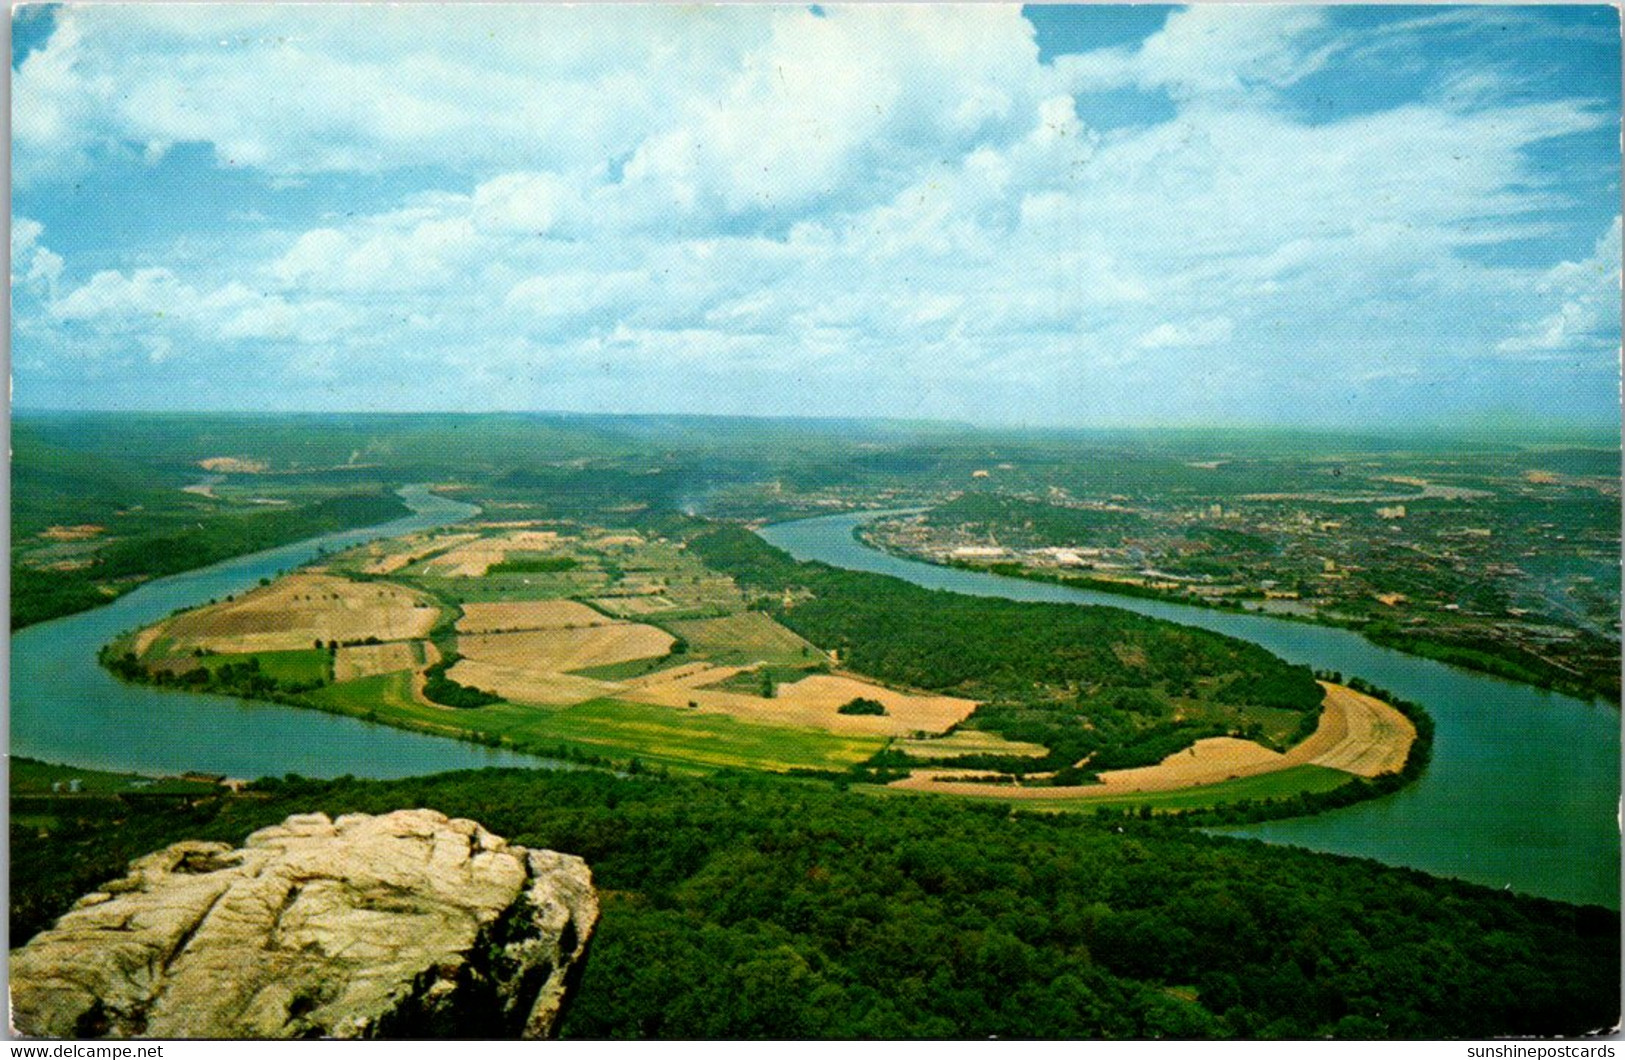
[1522, 792]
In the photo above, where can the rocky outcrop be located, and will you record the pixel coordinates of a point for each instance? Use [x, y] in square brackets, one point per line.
[408, 924]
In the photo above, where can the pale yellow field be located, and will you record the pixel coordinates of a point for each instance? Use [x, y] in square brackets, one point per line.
[528, 615]
[812, 702]
[1374, 739]
[562, 650]
[1204, 762]
[294, 612]
[521, 685]
[394, 555]
[1357, 734]
[366, 660]
[473, 559]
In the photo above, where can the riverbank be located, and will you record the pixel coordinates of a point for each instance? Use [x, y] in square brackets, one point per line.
[1465, 816]
[123, 566]
[1369, 743]
[67, 708]
[1475, 659]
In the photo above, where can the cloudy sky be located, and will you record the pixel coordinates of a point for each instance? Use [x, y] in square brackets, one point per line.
[1044, 215]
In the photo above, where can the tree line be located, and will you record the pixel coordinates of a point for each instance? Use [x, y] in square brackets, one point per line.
[745, 905]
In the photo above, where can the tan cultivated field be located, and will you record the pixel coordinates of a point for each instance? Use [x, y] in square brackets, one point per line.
[528, 615]
[1204, 762]
[522, 685]
[562, 650]
[391, 556]
[473, 559]
[812, 702]
[1357, 734]
[1373, 737]
[294, 612]
[687, 675]
[366, 660]
[145, 638]
[234, 465]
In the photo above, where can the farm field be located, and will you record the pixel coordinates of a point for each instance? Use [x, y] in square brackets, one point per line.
[684, 740]
[473, 558]
[295, 611]
[634, 606]
[526, 615]
[368, 660]
[815, 700]
[968, 742]
[746, 637]
[527, 684]
[1284, 783]
[1373, 740]
[559, 651]
[389, 556]
[1357, 735]
[565, 649]
[291, 666]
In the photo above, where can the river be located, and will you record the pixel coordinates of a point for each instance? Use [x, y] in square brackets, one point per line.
[66, 708]
[1523, 789]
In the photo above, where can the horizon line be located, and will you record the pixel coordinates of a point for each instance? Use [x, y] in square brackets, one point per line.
[1483, 424]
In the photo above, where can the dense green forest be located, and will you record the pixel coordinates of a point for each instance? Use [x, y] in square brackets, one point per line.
[1128, 689]
[743, 905]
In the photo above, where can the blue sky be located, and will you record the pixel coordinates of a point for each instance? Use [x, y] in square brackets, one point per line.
[1059, 215]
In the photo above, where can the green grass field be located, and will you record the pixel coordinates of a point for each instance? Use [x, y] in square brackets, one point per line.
[1286, 783]
[1278, 725]
[379, 692]
[680, 740]
[291, 666]
[746, 637]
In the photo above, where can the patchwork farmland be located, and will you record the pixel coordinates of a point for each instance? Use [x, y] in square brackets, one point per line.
[609, 645]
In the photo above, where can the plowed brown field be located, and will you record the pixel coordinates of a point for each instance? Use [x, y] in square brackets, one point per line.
[521, 685]
[563, 650]
[294, 612]
[528, 615]
[812, 702]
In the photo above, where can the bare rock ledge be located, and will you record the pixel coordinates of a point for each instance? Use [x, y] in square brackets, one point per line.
[408, 924]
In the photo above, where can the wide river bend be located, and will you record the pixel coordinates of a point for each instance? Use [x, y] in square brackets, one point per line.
[1523, 789]
[66, 708]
